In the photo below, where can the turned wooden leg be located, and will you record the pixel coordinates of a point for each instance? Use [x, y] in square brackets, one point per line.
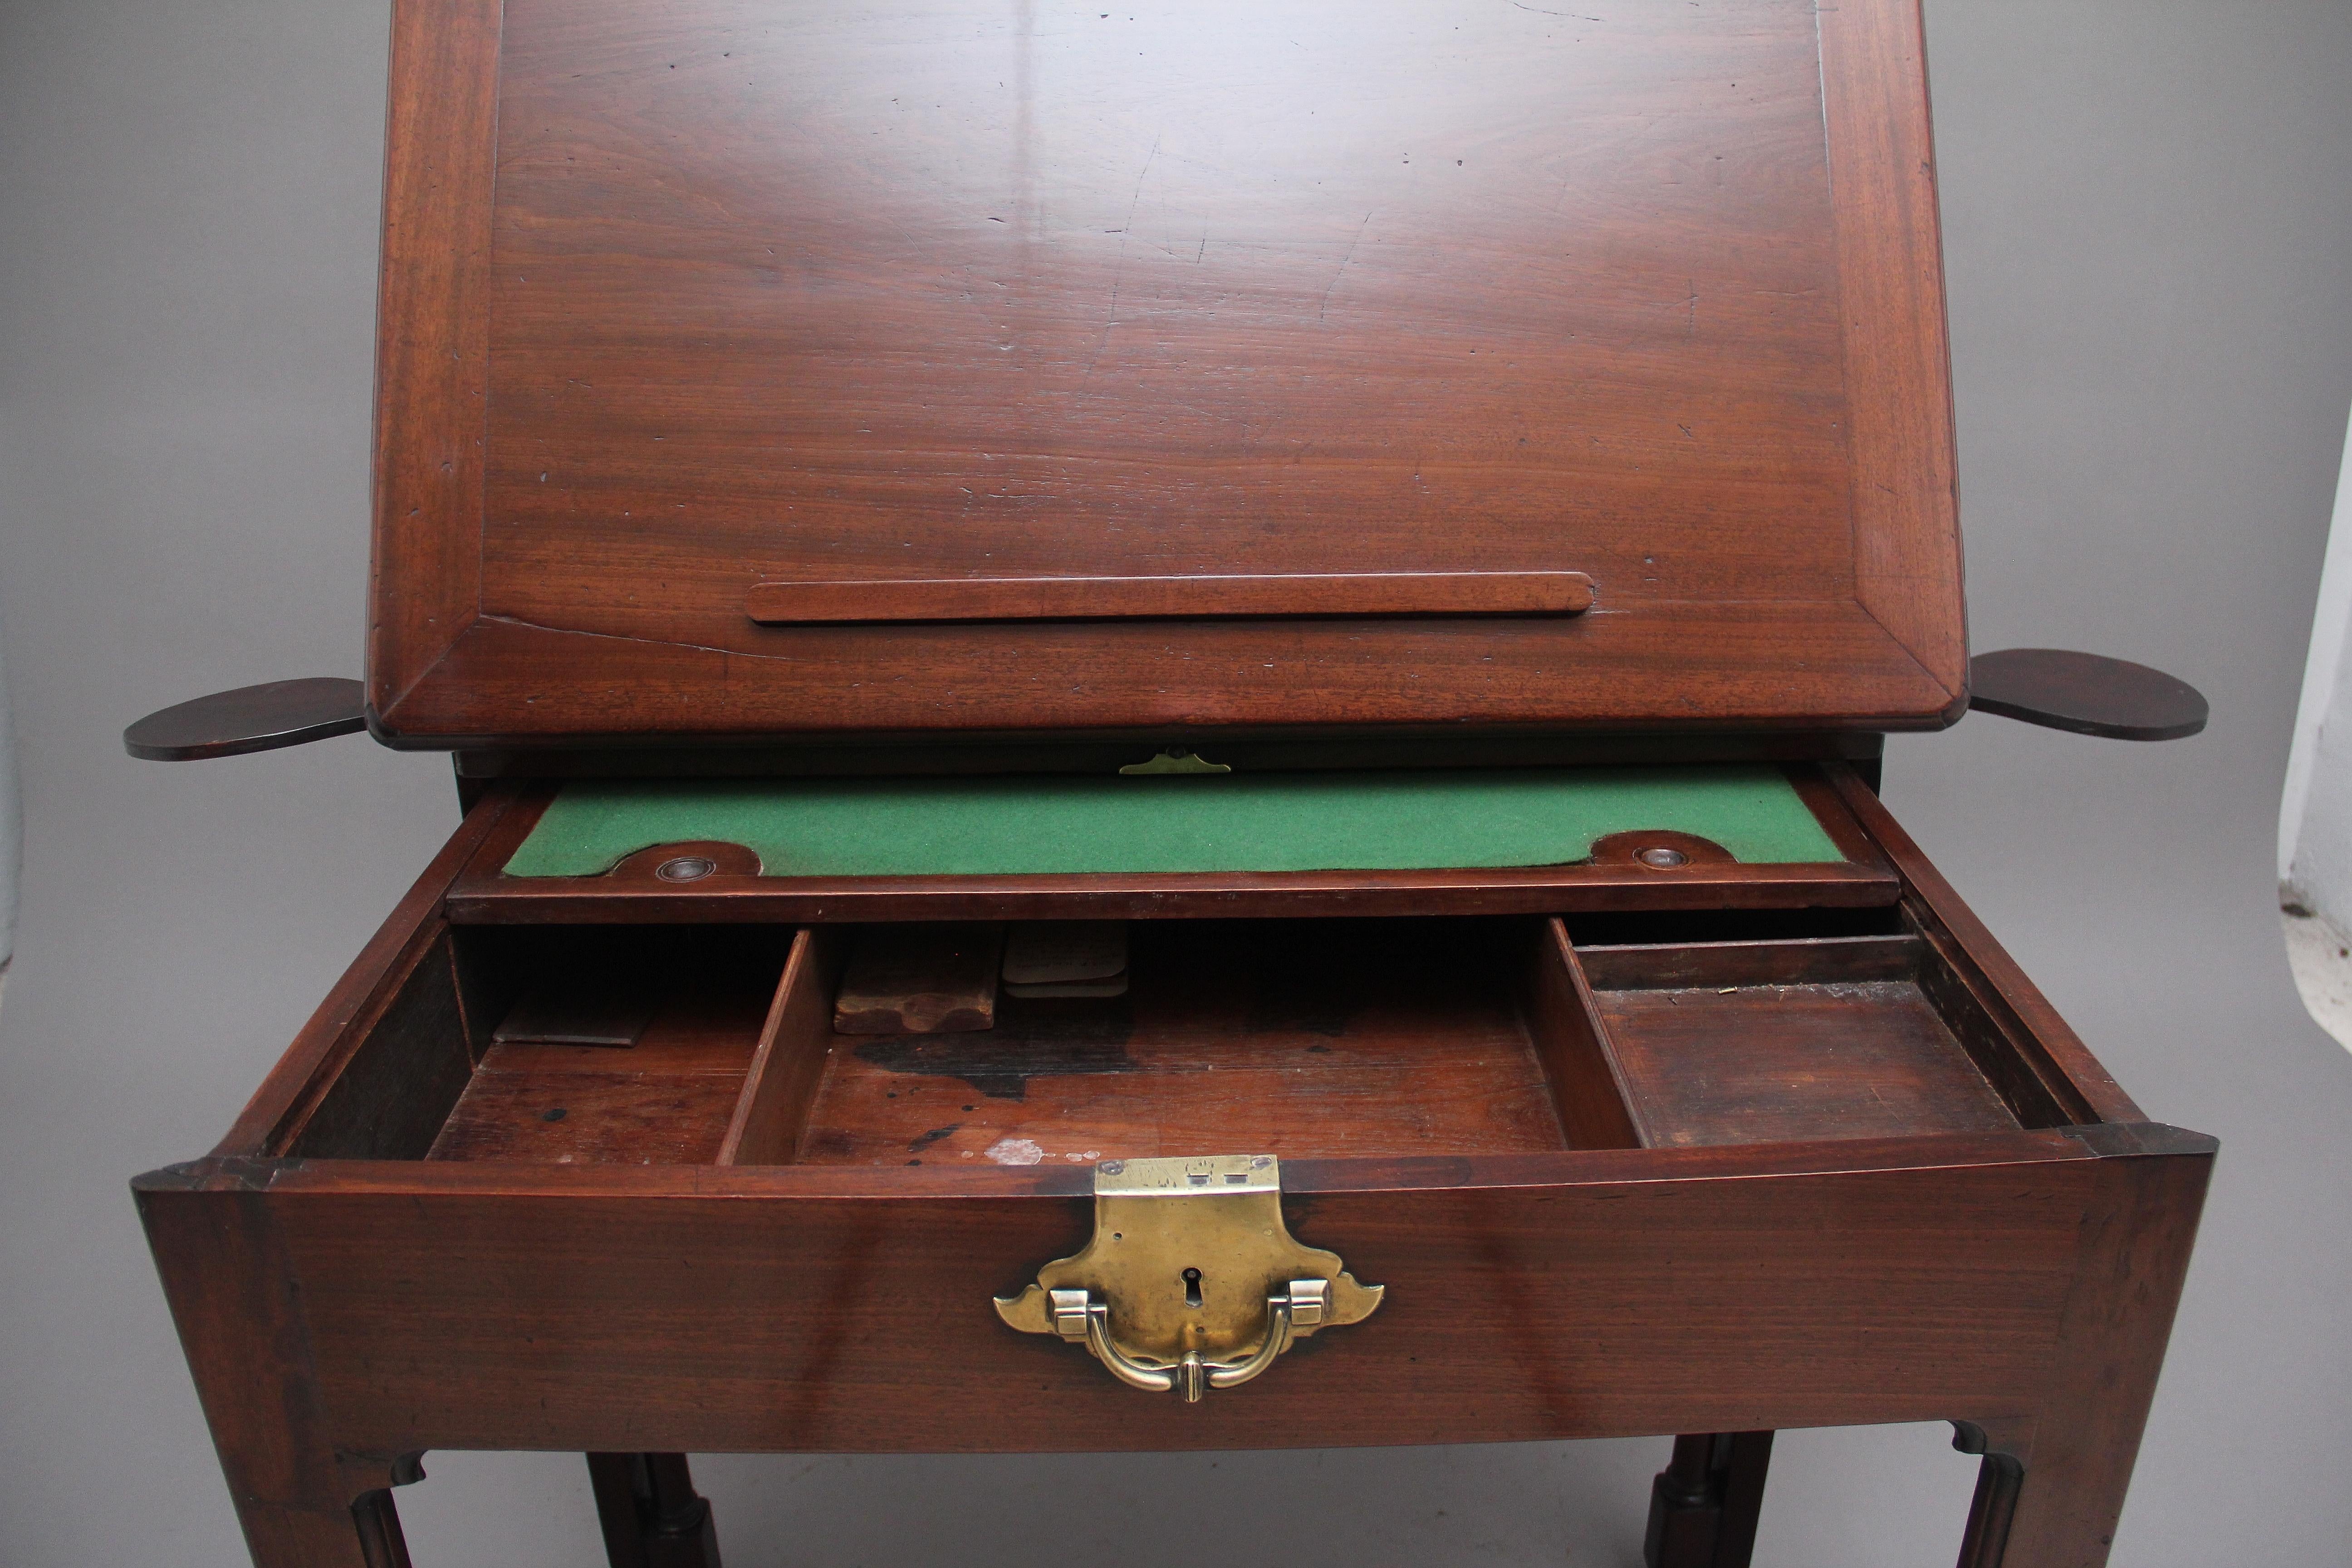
[651, 1515]
[1705, 1504]
[1683, 1509]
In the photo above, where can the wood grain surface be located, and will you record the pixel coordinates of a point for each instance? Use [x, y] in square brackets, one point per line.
[346, 1017]
[1906, 485]
[1757, 1064]
[1530, 1296]
[487, 900]
[432, 339]
[2086, 693]
[250, 718]
[665, 1100]
[932, 978]
[1201, 597]
[1283, 1038]
[2071, 1077]
[767, 1118]
[948, 292]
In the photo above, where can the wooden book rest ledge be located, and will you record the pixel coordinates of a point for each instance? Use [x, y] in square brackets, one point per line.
[1289, 597]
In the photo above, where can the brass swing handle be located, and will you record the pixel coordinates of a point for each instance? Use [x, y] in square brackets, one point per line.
[1079, 1318]
[1194, 1253]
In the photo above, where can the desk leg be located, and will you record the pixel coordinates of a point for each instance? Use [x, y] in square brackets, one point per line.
[2049, 1494]
[2051, 1489]
[1994, 1505]
[304, 1500]
[380, 1542]
[651, 1515]
[1705, 1504]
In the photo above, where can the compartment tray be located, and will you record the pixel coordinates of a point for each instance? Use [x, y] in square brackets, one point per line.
[1293, 1038]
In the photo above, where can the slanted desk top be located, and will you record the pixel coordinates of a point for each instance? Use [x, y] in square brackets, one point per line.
[757, 370]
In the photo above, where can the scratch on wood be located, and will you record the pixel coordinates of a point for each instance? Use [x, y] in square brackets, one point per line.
[1326, 301]
[1118, 268]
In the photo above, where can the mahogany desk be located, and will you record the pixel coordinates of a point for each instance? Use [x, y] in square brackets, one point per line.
[993, 400]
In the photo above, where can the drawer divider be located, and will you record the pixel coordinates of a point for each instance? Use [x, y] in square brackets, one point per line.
[1588, 1087]
[773, 1112]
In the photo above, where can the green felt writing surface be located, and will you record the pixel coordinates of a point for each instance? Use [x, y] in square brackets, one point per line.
[1233, 822]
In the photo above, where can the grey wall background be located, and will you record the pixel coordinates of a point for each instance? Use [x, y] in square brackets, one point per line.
[11, 818]
[2148, 212]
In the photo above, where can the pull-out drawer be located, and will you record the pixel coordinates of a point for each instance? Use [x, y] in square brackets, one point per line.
[1308, 1039]
[1618, 1171]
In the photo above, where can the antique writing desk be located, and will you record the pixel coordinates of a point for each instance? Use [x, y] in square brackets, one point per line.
[1411, 521]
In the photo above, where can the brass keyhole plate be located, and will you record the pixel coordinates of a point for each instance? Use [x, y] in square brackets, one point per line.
[1191, 1266]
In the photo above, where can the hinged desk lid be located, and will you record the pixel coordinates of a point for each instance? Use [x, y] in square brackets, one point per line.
[770, 367]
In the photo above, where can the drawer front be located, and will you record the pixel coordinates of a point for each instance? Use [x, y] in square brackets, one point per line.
[1533, 1297]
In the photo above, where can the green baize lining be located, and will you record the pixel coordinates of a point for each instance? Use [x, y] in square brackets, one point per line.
[1034, 824]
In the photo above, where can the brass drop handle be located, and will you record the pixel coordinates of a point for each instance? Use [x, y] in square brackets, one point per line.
[1192, 1281]
[1078, 1316]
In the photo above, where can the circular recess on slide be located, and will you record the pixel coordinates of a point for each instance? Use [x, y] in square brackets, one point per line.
[1658, 850]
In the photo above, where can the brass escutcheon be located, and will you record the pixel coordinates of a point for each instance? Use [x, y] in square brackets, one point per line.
[1191, 1280]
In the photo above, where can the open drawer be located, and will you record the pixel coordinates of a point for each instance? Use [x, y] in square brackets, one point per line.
[681, 1045]
[1619, 1171]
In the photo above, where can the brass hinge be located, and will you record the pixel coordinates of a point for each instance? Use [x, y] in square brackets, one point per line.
[1175, 760]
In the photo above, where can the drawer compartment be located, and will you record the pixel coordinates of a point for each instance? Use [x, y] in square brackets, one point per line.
[689, 1006]
[1758, 1042]
[482, 1049]
[1289, 1037]
[690, 1045]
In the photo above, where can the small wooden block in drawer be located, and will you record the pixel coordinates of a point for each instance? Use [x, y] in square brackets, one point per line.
[920, 979]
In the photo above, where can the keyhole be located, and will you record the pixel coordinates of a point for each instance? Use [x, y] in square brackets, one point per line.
[1191, 1286]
